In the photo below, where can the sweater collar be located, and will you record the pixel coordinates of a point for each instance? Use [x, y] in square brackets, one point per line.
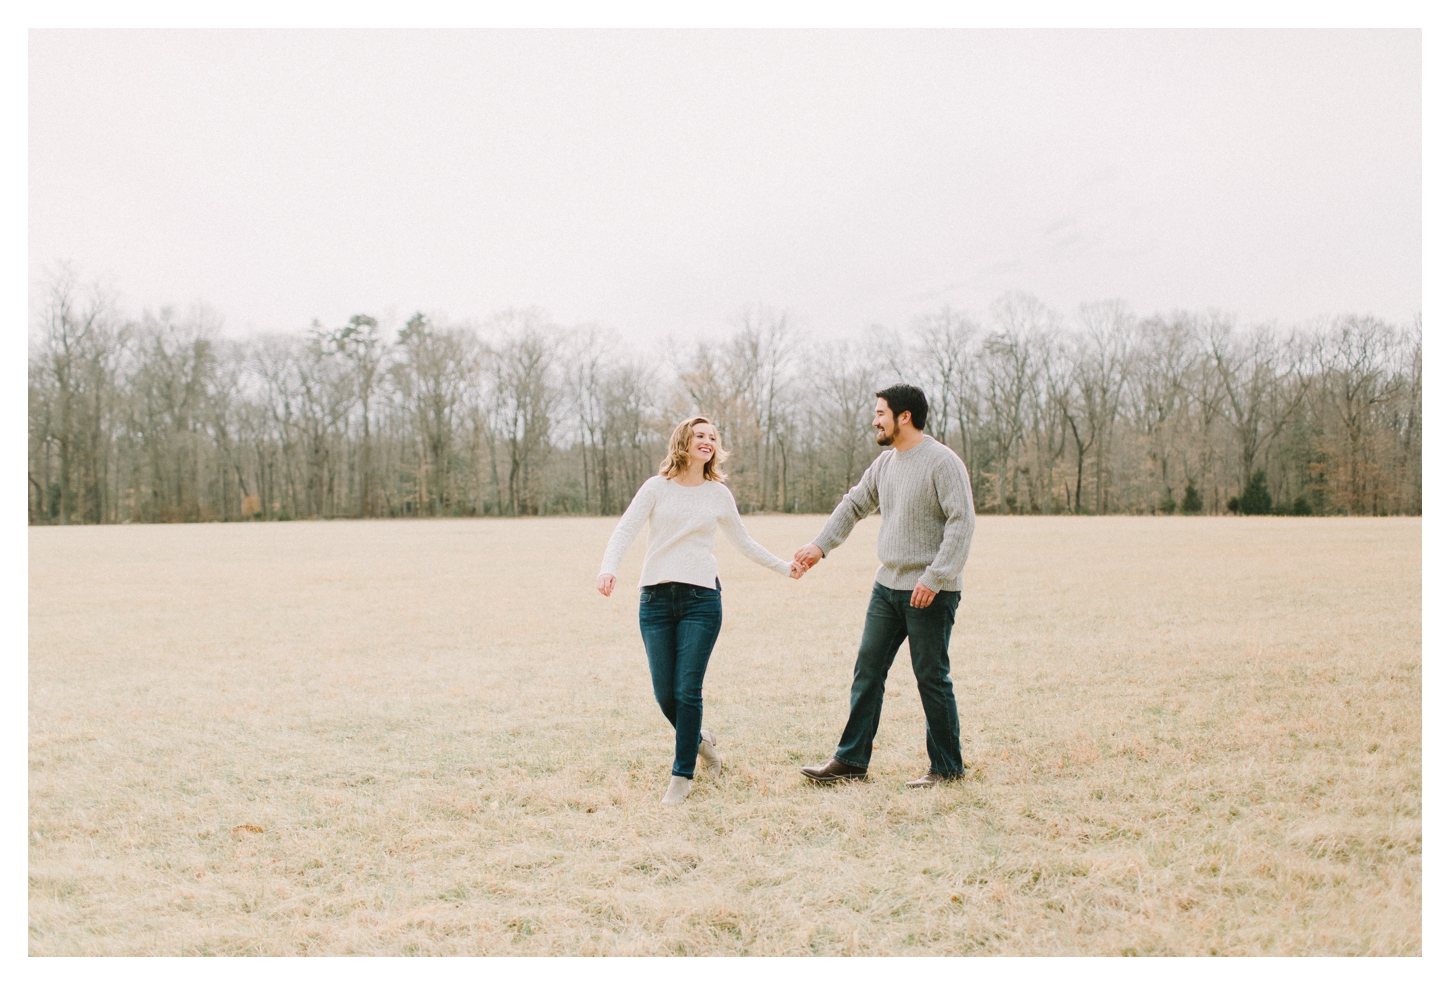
[926, 439]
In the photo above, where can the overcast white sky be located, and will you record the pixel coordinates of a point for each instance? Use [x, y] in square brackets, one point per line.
[658, 181]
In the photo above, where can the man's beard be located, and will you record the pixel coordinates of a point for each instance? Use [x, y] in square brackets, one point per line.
[885, 437]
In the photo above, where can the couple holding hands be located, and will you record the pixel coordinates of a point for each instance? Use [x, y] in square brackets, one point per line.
[925, 498]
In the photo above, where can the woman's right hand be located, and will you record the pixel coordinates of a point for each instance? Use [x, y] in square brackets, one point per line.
[605, 585]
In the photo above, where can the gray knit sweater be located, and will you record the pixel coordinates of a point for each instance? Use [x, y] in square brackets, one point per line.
[927, 516]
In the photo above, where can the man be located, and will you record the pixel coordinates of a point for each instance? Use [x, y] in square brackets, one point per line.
[927, 517]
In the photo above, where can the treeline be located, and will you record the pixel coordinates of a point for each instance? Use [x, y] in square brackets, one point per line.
[163, 418]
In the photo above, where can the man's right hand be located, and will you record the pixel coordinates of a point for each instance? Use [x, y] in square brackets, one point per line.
[806, 557]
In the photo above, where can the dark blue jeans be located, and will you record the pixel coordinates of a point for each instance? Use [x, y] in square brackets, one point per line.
[679, 624]
[890, 620]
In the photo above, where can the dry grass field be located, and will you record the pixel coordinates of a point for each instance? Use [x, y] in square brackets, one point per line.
[1183, 735]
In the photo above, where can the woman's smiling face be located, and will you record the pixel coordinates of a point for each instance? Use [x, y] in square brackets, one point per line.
[703, 442]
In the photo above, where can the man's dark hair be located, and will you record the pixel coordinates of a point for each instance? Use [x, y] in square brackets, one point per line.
[903, 397]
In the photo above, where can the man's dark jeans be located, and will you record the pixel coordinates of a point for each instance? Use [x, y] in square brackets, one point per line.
[679, 624]
[890, 620]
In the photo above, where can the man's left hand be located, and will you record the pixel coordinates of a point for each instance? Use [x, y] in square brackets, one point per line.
[921, 596]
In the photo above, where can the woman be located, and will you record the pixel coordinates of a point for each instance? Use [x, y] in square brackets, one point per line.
[679, 596]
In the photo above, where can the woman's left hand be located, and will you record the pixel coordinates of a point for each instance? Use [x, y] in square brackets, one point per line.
[605, 585]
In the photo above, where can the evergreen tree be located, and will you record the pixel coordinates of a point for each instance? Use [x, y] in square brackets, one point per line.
[1192, 501]
[1255, 497]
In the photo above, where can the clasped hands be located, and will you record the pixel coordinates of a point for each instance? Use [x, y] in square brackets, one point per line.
[809, 556]
[805, 559]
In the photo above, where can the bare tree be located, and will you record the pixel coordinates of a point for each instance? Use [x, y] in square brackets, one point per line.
[173, 382]
[325, 396]
[1010, 384]
[1411, 420]
[522, 363]
[1101, 372]
[437, 368]
[591, 360]
[633, 431]
[1355, 357]
[75, 349]
[362, 345]
[1261, 385]
[945, 341]
[1157, 391]
[758, 367]
[843, 388]
[1074, 396]
[1052, 419]
[222, 418]
[274, 361]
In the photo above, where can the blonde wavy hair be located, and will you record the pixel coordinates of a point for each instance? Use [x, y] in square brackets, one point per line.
[677, 462]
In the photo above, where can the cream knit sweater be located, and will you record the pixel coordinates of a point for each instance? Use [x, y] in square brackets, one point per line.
[682, 522]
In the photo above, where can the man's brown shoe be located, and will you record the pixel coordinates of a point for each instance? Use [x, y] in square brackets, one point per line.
[931, 780]
[833, 771]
